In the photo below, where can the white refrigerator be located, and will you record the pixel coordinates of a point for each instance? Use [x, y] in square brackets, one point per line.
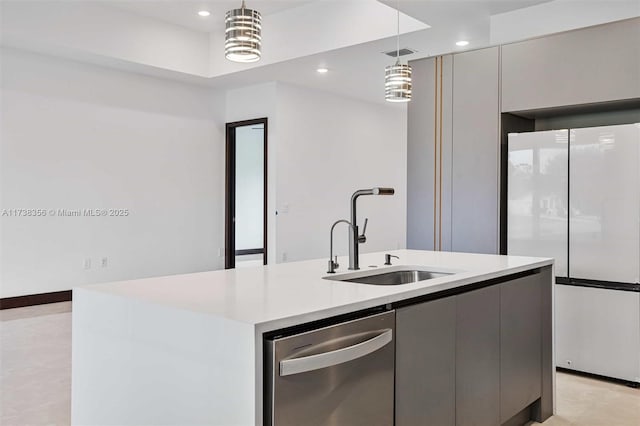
[597, 299]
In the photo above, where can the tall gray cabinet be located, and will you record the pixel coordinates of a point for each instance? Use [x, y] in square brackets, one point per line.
[476, 150]
[453, 152]
[429, 153]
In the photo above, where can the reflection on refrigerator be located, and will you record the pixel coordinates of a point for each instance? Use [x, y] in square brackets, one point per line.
[538, 196]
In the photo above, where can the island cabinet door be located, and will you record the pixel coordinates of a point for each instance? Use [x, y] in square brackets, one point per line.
[425, 364]
[477, 357]
[520, 345]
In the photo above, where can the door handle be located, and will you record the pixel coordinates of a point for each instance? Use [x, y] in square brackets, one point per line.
[339, 356]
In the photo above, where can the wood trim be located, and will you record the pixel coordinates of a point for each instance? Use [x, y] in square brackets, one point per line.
[435, 151]
[229, 208]
[440, 183]
[35, 299]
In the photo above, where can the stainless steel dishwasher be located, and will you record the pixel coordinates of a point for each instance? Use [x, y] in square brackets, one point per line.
[342, 374]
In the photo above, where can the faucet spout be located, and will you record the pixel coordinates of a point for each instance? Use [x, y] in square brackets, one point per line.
[354, 241]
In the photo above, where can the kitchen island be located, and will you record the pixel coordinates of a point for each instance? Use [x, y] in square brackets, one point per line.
[189, 349]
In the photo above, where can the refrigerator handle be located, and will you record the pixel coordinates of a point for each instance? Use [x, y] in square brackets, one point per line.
[328, 359]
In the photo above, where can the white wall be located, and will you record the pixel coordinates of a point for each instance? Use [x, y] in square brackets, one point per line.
[76, 136]
[328, 147]
[321, 148]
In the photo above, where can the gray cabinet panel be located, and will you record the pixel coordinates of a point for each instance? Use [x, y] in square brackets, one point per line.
[425, 363]
[447, 151]
[420, 157]
[520, 344]
[475, 154]
[478, 357]
[595, 64]
[429, 178]
[544, 410]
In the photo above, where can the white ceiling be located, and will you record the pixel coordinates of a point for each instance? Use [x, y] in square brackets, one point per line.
[185, 12]
[355, 61]
[358, 70]
[430, 9]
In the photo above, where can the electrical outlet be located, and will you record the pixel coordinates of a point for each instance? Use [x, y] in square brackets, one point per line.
[284, 256]
[87, 263]
[104, 262]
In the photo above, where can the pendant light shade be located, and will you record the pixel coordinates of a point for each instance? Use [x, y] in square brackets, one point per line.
[397, 77]
[243, 39]
[397, 83]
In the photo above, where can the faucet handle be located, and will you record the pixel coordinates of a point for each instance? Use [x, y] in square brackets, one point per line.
[363, 238]
[333, 265]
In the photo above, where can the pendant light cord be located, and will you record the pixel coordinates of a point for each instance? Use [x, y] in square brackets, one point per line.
[398, 36]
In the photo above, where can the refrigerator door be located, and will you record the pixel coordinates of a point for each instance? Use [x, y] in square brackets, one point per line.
[604, 228]
[537, 196]
[598, 331]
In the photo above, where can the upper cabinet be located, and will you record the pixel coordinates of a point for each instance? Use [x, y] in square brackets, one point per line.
[596, 64]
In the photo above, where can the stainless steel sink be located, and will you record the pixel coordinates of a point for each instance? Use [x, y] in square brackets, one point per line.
[396, 277]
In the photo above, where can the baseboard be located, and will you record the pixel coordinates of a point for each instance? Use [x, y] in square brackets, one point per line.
[629, 383]
[35, 299]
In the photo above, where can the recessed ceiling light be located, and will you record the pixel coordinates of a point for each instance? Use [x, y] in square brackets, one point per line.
[204, 13]
[323, 70]
[462, 43]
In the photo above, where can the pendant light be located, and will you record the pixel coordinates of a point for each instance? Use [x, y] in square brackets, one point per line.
[243, 39]
[397, 77]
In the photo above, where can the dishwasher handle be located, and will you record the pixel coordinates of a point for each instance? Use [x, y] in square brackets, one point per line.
[339, 356]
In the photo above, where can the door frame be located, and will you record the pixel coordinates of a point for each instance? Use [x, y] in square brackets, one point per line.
[230, 190]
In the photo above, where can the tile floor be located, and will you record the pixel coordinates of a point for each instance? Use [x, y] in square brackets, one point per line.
[35, 365]
[35, 376]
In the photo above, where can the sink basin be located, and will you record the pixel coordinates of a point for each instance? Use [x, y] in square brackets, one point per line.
[396, 277]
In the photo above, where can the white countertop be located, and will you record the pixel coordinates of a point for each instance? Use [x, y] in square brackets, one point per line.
[282, 295]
